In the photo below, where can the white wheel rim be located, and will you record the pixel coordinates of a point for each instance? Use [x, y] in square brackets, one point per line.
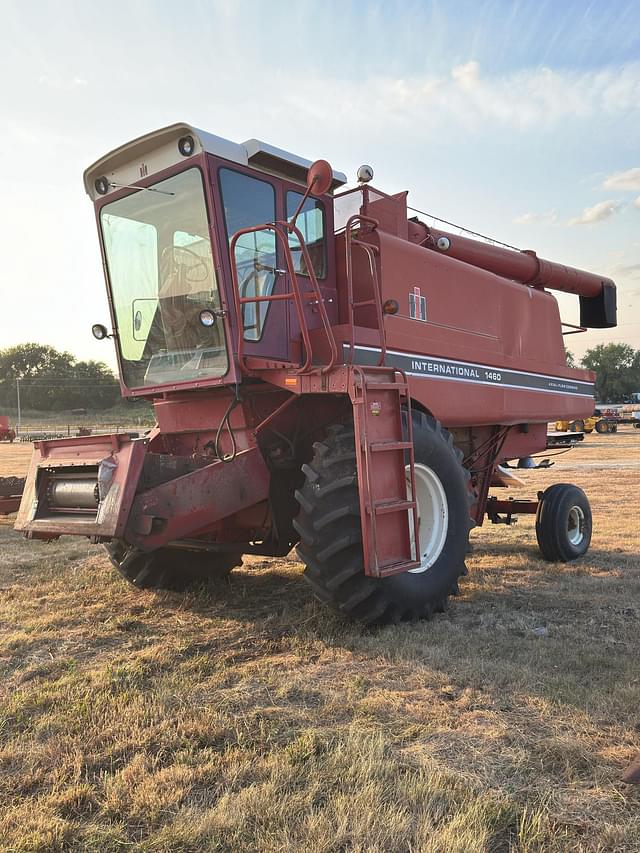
[433, 515]
[575, 525]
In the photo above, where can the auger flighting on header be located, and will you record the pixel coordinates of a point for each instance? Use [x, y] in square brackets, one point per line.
[325, 372]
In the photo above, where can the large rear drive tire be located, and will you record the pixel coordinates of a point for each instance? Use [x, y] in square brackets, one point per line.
[331, 535]
[169, 568]
[563, 523]
[602, 427]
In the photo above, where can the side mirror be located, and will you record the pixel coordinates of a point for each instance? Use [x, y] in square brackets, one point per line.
[99, 332]
[207, 318]
[319, 178]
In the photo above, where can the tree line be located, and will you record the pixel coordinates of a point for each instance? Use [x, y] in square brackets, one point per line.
[54, 381]
[617, 369]
[50, 381]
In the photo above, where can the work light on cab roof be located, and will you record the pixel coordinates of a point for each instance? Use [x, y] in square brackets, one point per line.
[327, 371]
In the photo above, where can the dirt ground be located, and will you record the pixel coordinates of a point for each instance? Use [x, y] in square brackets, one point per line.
[14, 459]
[248, 718]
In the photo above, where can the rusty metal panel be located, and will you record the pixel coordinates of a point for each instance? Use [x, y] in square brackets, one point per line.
[76, 455]
[11, 489]
[189, 504]
[9, 505]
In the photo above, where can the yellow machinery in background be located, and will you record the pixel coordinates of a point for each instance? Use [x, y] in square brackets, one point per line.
[595, 422]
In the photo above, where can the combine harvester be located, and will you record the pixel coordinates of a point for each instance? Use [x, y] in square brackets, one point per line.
[324, 371]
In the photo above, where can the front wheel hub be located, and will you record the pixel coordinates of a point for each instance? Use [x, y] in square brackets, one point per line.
[433, 515]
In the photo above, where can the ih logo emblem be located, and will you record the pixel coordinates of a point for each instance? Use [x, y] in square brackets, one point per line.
[417, 305]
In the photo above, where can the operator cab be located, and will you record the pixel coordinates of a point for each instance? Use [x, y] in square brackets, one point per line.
[168, 205]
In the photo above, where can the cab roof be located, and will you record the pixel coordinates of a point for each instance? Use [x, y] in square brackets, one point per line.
[158, 150]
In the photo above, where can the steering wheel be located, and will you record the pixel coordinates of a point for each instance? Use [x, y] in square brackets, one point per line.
[253, 269]
[199, 262]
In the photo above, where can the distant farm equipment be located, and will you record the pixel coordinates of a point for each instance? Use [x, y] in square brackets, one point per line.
[7, 433]
[602, 422]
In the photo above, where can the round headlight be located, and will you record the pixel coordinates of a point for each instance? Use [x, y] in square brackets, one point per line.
[99, 331]
[186, 146]
[207, 318]
[390, 306]
[102, 185]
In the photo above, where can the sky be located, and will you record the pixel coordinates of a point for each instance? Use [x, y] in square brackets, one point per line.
[520, 120]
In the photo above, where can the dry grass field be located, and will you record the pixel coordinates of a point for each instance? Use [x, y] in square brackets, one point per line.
[247, 718]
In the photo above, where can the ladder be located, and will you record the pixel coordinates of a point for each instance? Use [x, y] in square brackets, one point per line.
[386, 470]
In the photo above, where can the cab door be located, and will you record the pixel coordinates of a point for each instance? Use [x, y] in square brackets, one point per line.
[248, 201]
[314, 222]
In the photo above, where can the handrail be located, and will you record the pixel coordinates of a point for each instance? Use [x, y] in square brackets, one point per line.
[281, 230]
[293, 229]
[370, 251]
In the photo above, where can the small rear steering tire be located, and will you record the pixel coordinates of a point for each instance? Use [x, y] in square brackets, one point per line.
[563, 523]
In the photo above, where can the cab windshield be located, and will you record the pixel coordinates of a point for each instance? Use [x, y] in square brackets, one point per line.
[162, 276]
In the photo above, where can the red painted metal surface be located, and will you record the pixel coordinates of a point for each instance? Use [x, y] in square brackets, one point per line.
[524, 266]
[185, 506]
[513, 507]
[382, 451]
[10, 494]
[9, 505]
[7, 433]
[81, 457]
[282, 230]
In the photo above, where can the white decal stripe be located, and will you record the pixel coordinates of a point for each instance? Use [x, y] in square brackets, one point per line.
[578, 387]
[468, 364]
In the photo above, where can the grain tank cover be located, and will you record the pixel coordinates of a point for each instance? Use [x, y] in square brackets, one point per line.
[161, 149]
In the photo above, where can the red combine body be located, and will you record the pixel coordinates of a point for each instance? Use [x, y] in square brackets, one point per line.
[325, 371]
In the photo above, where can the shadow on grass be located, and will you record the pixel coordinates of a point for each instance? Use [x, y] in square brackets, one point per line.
[489, 639]
[486, 638]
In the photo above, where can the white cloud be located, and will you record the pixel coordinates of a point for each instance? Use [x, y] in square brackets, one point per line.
[628, 271]
[629, 180]
[547, 218]
[597, 213]
[466, 76]
[533, 97]
[55, 81]
[637, 202]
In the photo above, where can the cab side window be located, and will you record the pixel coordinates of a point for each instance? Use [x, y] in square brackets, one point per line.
[311, 223]
[249, 201]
